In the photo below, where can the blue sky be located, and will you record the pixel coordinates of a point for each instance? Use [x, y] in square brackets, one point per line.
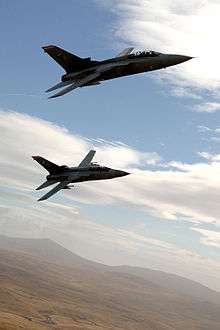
[149, 118]
[164, 119]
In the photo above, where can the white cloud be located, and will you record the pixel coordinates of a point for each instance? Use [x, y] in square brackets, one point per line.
[187, 28]
[211, 134]
[215, 139]
[209, 107]
[185, 92]
[210, 157]
[210, 237]
[203, 129]
[178, 191]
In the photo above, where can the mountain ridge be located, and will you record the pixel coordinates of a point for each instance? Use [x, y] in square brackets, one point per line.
[57, 289]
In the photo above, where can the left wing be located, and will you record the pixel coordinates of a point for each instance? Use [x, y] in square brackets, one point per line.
[59, 85]
[60, 186]
[46, 184]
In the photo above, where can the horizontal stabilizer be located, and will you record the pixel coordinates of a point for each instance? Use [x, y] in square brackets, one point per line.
[46, 184]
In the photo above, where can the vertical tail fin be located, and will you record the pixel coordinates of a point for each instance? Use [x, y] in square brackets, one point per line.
[49, 166]
[68, 61]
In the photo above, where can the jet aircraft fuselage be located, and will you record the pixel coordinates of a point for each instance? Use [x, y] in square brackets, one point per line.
[128, 65]
[81, 72]
[90, 173]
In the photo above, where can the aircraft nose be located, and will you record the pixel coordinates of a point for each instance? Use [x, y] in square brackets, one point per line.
[181, 58]
[123, 173]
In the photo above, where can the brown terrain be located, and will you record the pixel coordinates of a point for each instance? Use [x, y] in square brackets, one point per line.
[44, 286]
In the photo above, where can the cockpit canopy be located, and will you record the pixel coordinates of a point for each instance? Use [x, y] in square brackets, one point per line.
[96, 166]
[145, 53]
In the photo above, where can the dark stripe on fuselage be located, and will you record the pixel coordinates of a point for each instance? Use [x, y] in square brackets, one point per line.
[82, 178]
[136, 65]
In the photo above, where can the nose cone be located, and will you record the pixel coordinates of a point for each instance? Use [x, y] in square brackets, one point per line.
[122, 173]
[177, 59]
[183, 58]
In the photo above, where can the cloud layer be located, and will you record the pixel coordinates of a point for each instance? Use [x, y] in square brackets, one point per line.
[188, 192]
[209, 237]
[169, 191]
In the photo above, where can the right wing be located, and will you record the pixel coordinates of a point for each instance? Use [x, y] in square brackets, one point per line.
[87, 160]
[60, 186]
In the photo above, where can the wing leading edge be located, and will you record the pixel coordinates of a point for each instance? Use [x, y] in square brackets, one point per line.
[87, 160]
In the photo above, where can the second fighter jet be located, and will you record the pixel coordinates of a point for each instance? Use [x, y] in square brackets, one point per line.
[85, 171]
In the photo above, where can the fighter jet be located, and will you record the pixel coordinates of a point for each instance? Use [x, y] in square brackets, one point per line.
[85, 171]
[81, 72]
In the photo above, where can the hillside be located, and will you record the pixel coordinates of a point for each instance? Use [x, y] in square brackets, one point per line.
[44, 286]
[173, 282]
